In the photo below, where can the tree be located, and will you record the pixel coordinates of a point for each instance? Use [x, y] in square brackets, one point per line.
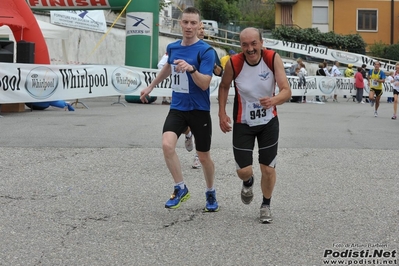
[214, 10]
[257, 13]
[254, 13]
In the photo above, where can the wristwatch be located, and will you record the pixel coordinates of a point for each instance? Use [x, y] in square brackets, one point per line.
[194, 69]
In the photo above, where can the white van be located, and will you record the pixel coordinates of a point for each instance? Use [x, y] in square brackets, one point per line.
[211, 26]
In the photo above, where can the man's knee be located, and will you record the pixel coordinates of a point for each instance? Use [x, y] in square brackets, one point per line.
[204, 156]
[245, 172]
[267, 170]
[169, 140]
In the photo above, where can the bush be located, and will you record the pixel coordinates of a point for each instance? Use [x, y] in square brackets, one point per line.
[392, 52]
[378, 49]
[352, 43]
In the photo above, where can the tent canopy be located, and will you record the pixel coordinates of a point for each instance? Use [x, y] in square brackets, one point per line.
[49, 31]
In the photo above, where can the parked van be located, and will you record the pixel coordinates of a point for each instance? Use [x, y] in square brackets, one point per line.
[211, 26]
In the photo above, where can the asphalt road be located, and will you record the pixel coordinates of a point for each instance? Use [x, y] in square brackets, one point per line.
[88, 188]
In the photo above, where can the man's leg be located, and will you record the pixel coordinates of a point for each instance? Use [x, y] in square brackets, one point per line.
[377, 102]
[247, 176]
[169, 141]
[208, 167]
[173, 126]
[245, 173]
[395, 105]
[243, 145]
[268, 180]
[201, 127]
[371, 97]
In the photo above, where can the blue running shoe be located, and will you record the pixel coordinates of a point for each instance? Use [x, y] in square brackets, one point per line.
[211, 203]
[179, 195]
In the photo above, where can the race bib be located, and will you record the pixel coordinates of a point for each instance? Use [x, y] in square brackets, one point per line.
[179, 81]
[374, 82]
[256, 115]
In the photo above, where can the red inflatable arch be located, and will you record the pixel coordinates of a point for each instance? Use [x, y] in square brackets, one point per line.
[17, 15]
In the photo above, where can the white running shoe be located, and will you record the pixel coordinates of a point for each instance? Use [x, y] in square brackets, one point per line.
[265, 214]
[189, 143]
[196, 163]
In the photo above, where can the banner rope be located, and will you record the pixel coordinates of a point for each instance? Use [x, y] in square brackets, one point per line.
[110, 28]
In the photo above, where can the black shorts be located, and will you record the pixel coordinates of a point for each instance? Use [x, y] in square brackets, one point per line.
[377, 92]
[244, 140]
[200, 123]
[395, 92]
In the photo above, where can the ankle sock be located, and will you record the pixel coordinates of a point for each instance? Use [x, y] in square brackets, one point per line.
[266, 201]
[249, 182]
[188, 135]
[180, 184]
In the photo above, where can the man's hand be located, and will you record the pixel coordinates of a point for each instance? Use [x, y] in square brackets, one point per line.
[225, 123]
[182, 66]
[266, 102]
[144, 93]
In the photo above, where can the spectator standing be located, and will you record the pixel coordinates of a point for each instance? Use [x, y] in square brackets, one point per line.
[320, 72]
[294, 66]
[349, 73]
[365, 76]
[160, 65]
[226, 58]
[325, 67]
[335, 73]
[359, 84]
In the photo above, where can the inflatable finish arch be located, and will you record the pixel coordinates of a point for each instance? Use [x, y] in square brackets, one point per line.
[18, 16]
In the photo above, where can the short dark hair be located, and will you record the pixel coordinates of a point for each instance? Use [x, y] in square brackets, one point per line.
[364, 66]
[192, 10]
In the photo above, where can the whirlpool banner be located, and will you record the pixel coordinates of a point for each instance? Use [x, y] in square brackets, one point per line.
[21, 83]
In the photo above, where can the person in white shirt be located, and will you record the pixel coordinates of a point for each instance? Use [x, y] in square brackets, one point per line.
[325, 68]
[335, 73]
[160, 65]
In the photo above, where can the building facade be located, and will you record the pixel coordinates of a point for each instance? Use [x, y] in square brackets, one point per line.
[374, 20]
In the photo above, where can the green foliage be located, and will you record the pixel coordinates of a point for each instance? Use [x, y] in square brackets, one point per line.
[378, 49]
[162, 4]
[214, 10]
[352, 43]
[246, 13]
[392, 52]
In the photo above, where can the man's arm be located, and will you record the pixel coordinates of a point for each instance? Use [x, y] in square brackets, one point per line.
[282, 83]
[382, 77]
[163, 74]
[217, 69]
[224, 87]
[201, 80]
